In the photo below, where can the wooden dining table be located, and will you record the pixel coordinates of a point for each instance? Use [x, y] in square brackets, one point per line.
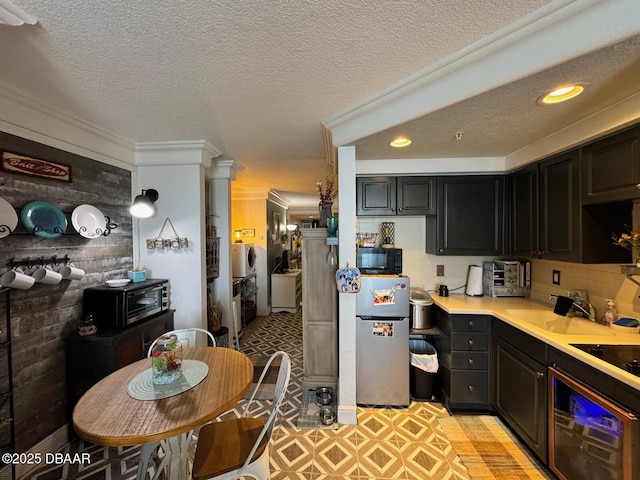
[107, 415]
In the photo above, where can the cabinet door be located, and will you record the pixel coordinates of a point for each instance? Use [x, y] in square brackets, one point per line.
[524, 225]
[611, 168]
[416, 195]
[520, 395]
[470, 216]
[376, 195]
[560, 208]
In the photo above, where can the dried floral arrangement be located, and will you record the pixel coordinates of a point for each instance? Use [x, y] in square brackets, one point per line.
[630, 240]
[328, 194]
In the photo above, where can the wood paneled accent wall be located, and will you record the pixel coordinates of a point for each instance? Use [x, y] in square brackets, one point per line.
[43, 316]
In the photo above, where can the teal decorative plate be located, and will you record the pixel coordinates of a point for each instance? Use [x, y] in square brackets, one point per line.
[43, 219]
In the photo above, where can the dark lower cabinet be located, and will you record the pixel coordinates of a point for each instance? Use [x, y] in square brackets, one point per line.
[463, 357]
[520, 392]
[93, 357]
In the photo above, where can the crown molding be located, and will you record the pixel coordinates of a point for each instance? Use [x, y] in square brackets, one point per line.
[185, 152]
[523, 48]
[23, 116]
[11, 14]
[224, 169]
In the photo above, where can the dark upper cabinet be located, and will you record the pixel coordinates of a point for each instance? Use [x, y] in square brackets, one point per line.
[396, 195]
[611, 168]
[559, 183]
[470, 216]
[548, 219]
[544, 208]
[523, 211]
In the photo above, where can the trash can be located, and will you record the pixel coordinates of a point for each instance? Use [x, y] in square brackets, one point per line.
[420, 313]
[423, 370]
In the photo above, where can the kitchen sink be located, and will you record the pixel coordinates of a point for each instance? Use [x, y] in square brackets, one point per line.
[551, 322]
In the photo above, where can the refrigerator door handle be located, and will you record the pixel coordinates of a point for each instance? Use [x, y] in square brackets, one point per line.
[375, 318]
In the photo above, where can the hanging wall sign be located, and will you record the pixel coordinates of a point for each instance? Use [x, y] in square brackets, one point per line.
[175, 242]
[12, 162]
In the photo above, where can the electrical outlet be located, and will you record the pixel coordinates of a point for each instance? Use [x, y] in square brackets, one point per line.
[555, 277]
[440, 270]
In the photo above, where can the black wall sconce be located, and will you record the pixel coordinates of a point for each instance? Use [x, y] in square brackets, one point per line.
[143, 205]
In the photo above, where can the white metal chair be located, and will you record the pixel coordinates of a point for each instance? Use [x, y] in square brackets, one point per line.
[240, 447]
[235, 339]
[188, 337]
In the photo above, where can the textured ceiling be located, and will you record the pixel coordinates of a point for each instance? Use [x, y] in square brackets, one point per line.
[254, 78]
[507, 118]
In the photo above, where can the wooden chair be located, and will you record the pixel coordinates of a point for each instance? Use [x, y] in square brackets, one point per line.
[240, 447]
[188, 338]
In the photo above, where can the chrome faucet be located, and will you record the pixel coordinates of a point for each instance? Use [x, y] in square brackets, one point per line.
[581, 306]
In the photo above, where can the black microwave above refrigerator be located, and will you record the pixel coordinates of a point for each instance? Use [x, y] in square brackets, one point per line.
[119, 307]
[379, 261]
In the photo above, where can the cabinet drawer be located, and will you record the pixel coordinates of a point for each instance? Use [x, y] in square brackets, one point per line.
[469, 386]
[463, 341]
[470, 360]
[469, 323]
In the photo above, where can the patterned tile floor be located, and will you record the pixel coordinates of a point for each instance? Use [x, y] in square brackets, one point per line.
[387, 443]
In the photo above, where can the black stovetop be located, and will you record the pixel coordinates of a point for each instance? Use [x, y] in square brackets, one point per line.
[626, 357]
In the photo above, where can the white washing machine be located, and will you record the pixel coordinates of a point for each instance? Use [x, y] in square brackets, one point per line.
[243, 259]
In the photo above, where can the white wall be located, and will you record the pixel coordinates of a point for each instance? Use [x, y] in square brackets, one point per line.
[181, 198]
[252, 214]
[410, 235]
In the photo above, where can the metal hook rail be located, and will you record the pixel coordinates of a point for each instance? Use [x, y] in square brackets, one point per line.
[28, 262]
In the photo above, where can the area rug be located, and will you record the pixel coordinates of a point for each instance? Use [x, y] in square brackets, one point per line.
[489, 450]
[308, 418]
[268, 387]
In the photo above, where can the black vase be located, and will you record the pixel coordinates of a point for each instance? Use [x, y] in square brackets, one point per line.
[325, 213]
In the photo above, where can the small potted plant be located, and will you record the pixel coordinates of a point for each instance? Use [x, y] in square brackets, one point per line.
[137, 274]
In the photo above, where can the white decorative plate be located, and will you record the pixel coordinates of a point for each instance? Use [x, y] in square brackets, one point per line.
[8, 218]
[118, 282]
[88, 221]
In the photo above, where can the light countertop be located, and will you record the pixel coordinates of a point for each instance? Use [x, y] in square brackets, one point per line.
[524, 314]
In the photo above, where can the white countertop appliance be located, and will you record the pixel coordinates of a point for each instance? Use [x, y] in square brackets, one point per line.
[474, 281]
[382, 340]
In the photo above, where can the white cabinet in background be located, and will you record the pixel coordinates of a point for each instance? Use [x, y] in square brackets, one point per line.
[286, 291]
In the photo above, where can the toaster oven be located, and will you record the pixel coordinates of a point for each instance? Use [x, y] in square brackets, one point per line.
[119, 307]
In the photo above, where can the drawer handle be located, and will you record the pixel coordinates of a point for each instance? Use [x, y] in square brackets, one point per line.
[539, 374]
[471, 388]
[471, 323]
[470, 342]
[470, 360]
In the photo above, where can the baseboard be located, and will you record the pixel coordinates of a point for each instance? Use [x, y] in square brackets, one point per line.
[347, 415]
[50, 444]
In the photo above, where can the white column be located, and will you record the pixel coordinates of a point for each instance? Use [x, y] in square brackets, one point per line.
[176, 170]
[222, 173]
[347, 302]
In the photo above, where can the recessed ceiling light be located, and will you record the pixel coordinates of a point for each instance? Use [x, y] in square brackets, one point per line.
[561, 94]
[400, 142]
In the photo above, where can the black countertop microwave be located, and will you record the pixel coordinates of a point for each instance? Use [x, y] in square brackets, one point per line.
[119, 307]
[380, 261]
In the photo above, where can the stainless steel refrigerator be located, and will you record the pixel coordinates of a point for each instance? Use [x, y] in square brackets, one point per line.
[382, 340]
